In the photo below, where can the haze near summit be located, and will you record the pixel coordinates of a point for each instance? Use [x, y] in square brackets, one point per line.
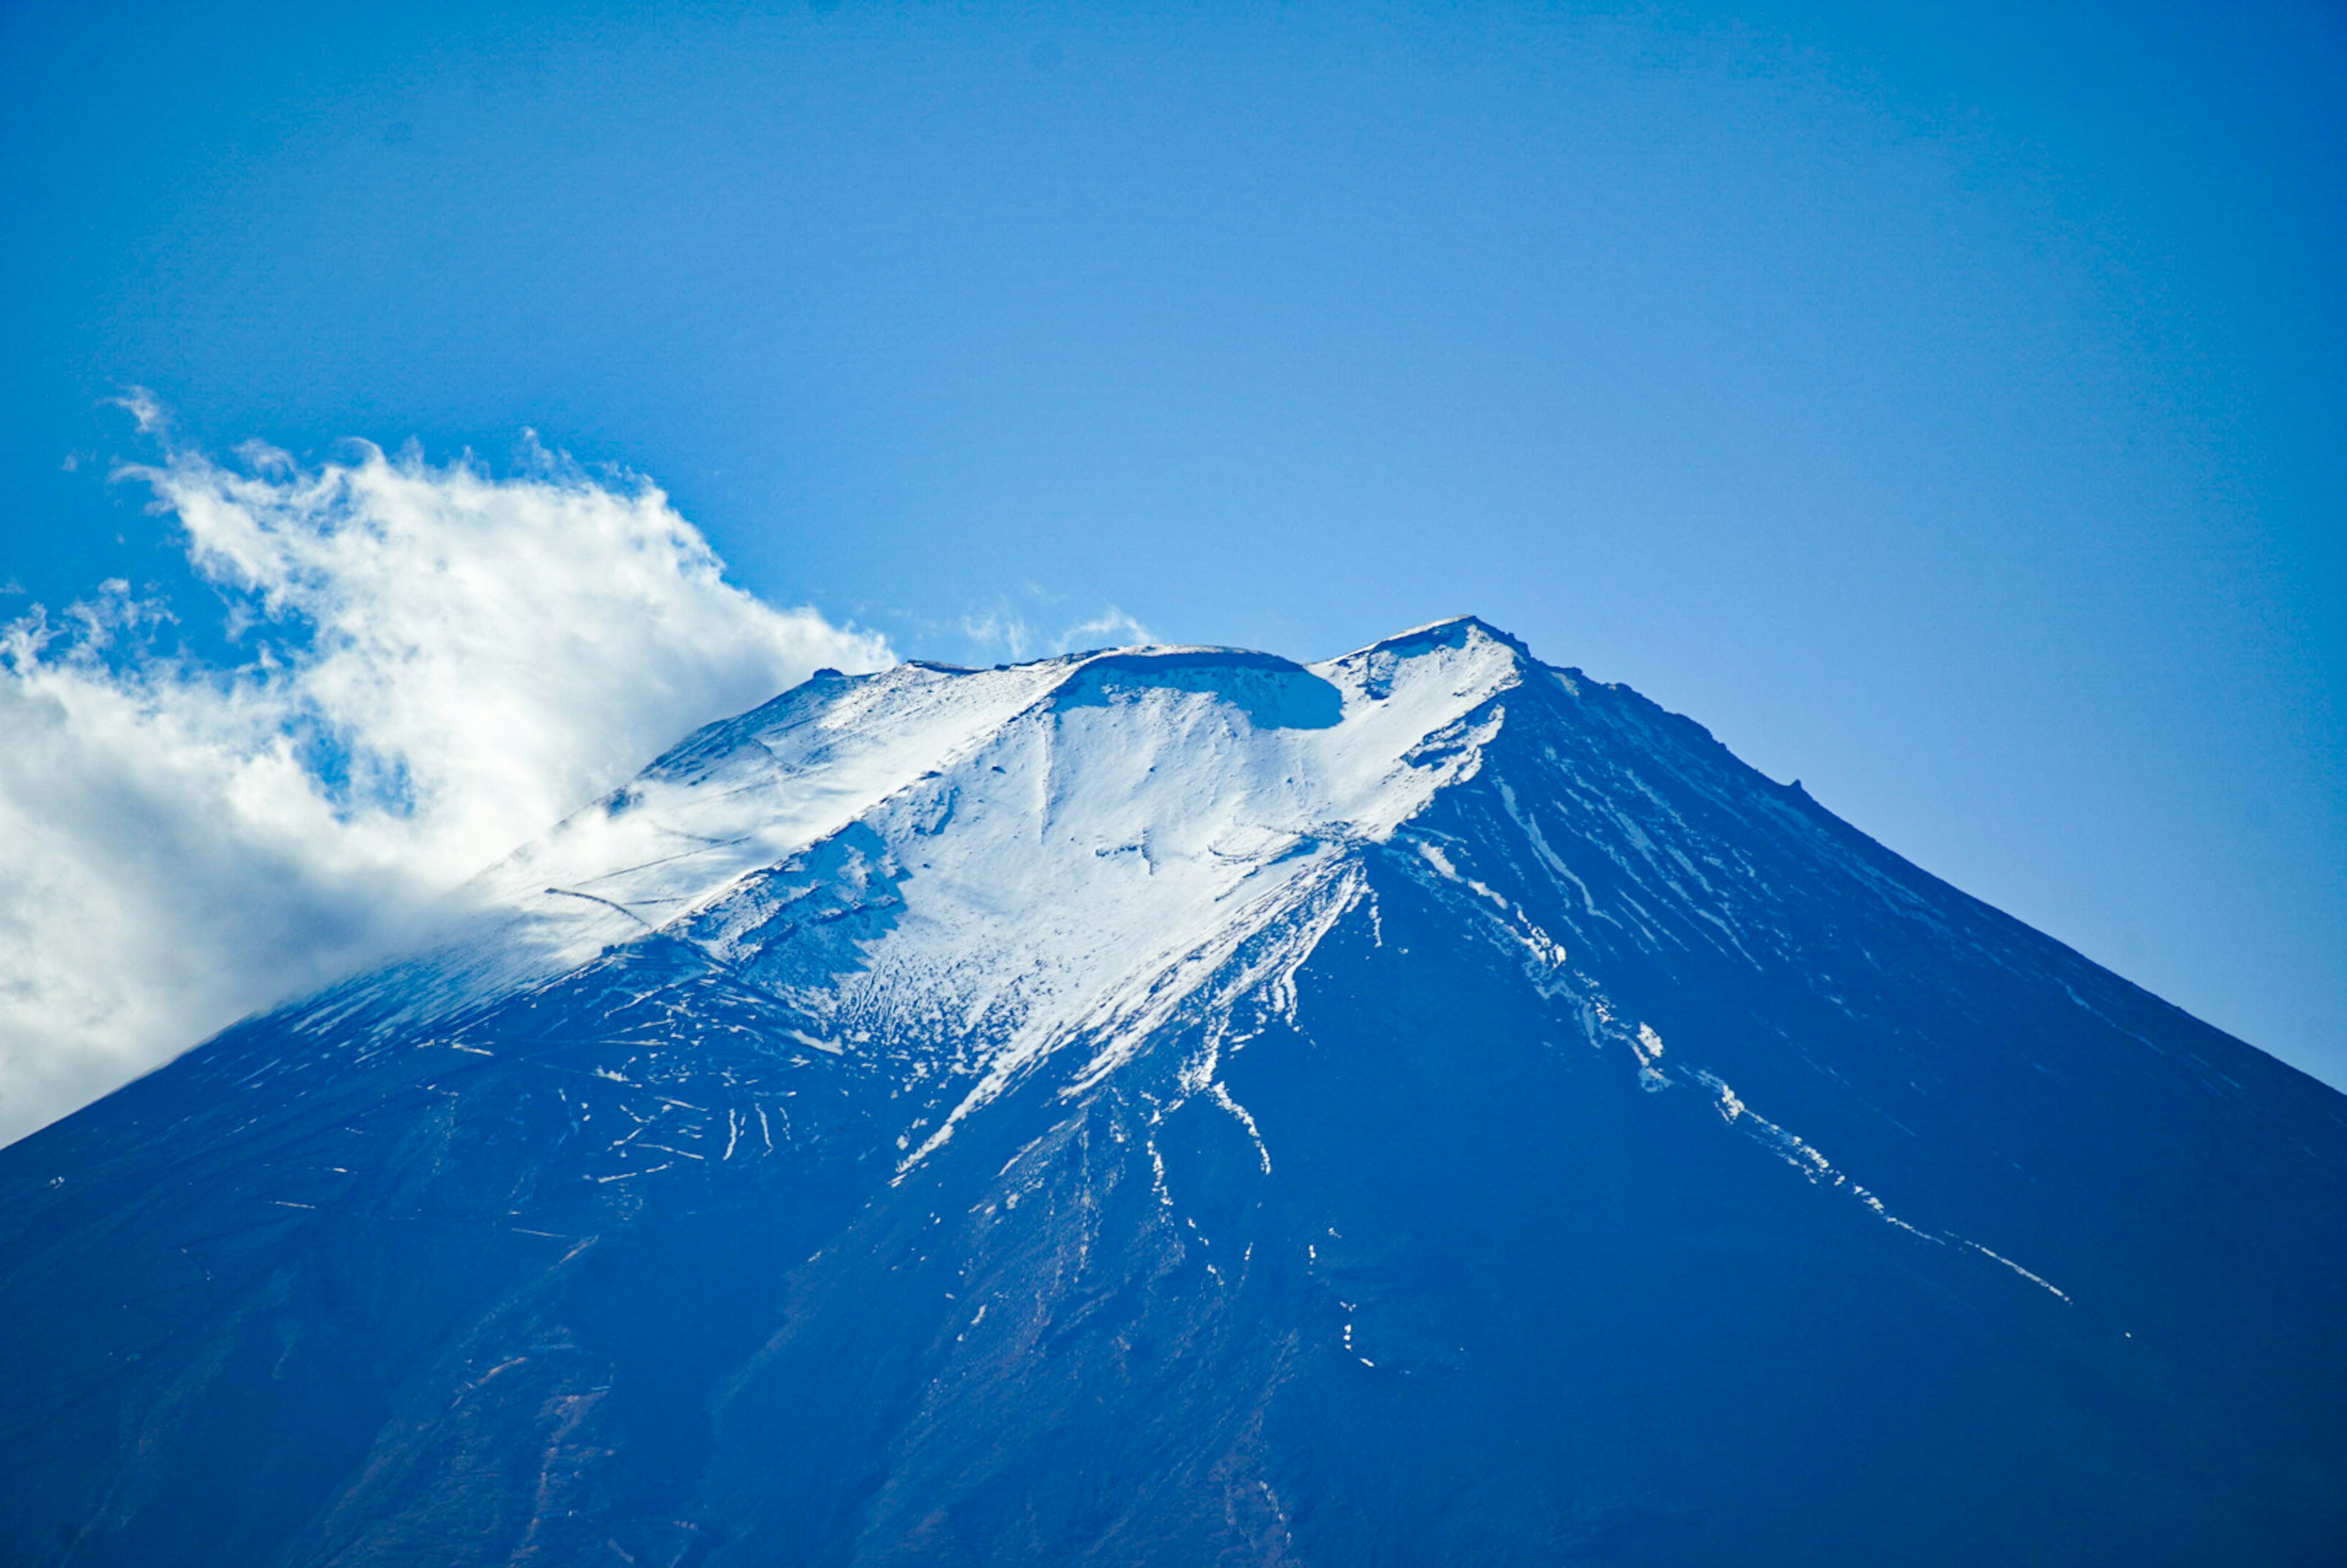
[1945, 410]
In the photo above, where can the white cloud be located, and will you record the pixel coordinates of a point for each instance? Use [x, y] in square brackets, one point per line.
[1007, 631]
[432, 665]
[1111, 628]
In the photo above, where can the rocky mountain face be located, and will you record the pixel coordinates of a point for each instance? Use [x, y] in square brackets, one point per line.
[1178, 1106]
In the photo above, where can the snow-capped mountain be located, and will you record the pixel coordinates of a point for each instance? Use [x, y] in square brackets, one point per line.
[1178, 1105]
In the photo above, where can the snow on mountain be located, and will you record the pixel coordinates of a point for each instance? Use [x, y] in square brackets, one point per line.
[1072, 847]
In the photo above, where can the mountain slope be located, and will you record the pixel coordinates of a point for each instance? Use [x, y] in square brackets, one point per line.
[1178, 1105]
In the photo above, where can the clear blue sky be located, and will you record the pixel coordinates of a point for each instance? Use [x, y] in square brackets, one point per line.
[1949, 411]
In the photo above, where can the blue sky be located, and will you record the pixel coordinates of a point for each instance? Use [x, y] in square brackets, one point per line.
[1949, 409]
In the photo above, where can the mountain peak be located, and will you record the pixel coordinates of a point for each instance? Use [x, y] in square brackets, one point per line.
[1454, 631]
[1181, 795]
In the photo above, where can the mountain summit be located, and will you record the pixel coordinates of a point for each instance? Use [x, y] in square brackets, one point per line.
[1176, 1105]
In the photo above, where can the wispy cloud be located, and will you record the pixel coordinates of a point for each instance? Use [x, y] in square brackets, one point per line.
[432, 664]
[1016, 634]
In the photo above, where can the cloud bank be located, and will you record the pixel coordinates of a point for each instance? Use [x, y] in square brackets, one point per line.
[428, 666]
